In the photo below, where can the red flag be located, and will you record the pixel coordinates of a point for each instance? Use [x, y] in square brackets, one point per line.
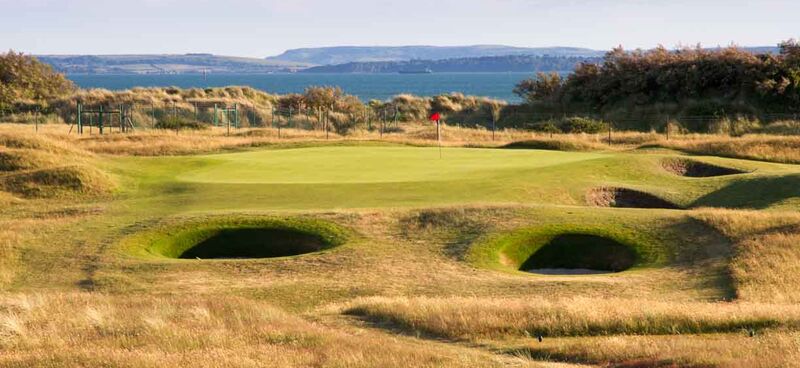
[436, 117]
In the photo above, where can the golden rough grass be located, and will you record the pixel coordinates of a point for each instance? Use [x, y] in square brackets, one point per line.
[765, 350]
[784, 149]
[475, 318]
[766, 261]
[82, 329]
[36, 166]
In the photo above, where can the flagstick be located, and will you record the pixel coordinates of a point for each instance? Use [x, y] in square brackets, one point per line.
[439, 137]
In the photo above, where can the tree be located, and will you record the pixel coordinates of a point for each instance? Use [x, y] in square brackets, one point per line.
[544, 87]
[24, 79]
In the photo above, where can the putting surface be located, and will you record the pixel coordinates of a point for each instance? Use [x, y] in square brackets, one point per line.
[324, 165]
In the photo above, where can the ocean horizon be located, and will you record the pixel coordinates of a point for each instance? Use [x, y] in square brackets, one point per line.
[365, 86]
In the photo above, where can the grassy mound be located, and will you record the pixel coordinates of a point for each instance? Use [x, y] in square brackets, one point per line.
[696, 169]
[25, 159]
[581, 252]
[57, 182]
[33, 166]
[555, 145]
[626, 198]
[239, 237]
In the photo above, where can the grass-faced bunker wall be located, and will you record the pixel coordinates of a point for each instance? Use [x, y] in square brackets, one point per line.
[238, 238]
[581, 251]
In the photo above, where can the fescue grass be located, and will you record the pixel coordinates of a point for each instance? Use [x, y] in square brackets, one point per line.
[79, 329]
[497, 318]
[423, 239]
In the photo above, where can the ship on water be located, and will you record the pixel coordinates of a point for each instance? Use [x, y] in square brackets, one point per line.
[416, 71]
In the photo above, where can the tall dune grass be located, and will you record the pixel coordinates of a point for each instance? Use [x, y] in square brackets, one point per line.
[475, 318]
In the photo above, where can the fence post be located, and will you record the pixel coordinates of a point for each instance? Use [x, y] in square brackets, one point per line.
[100, 120]
[80, 125]
[216, 119]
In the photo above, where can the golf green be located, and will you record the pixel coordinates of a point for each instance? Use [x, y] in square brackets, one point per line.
[370, 165]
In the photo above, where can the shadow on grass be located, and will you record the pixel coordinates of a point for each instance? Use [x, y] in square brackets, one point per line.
[755, 193]
[699, 247]
[554, 355]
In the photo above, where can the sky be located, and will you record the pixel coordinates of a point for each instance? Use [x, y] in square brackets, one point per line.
[260, 28]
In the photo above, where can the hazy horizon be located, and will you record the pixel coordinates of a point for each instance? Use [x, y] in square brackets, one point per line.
[261, 28]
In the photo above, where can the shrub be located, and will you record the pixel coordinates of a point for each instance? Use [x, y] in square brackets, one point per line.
[547, 126]
[24, 78]
[582, 125]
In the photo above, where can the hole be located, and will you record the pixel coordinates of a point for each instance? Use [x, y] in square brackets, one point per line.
[254, 243]
[573, 254]
[236, 238]
[696, 169]
[626, 198]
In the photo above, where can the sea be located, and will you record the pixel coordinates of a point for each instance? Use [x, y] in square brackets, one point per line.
[365, 86]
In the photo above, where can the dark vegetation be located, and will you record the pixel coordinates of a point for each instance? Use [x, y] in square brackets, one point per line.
[702, 90]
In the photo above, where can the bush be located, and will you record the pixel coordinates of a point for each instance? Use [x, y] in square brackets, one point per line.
[547, 126]
[341, 123]
[179, 123]
[24, 78]
[582, 125]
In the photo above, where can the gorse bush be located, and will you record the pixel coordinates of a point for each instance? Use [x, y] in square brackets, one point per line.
[688, 82]
[582, 125]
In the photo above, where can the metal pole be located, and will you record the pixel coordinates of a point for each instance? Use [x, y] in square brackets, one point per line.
[80, 125]
[439, 136]
[493, 126]
[100, 120]
[216, 119]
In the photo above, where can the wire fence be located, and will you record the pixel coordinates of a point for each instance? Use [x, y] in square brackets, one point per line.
[125, 117]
